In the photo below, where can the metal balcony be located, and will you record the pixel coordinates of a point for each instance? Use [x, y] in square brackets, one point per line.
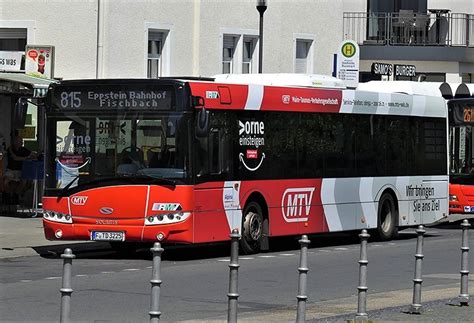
[406, 28]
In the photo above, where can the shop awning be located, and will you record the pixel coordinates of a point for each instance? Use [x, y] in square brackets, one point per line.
[22, 84]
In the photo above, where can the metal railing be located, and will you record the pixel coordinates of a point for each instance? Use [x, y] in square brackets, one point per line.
[410, 29]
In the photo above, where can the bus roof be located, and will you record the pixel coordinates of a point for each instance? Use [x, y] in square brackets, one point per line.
[446, 90]
[283, 79]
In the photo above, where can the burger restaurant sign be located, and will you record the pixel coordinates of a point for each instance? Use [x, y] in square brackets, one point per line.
[396, 69]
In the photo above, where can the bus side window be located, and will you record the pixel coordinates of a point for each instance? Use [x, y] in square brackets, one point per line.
[219, 148]
[214, 151]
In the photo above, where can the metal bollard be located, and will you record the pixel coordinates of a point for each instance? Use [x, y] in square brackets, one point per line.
[303, 272]
[155, 283]
[361, 314]
[415, 307]
[464, 295]
[66, 289]
[233, 294]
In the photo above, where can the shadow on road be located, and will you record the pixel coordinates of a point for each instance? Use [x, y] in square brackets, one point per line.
[102, 250]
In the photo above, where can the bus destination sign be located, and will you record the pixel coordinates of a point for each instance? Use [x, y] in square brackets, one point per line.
[124, 98]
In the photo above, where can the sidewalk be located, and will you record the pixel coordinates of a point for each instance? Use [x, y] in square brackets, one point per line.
[21, 234]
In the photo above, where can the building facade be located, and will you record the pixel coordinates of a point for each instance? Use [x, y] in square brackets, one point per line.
[112, 39]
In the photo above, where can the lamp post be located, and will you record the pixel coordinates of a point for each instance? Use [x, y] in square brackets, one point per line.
[261, 7]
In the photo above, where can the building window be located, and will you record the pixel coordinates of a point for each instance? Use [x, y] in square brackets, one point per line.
[228, 46]
[248, 54]
[303, 48]
[467, 78]
[13, 39]
[156, 40]
[239, 51]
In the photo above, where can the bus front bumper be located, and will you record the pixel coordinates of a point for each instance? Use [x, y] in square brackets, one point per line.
[173, 233]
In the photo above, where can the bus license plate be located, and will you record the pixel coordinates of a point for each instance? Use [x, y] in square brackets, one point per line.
[108, 236]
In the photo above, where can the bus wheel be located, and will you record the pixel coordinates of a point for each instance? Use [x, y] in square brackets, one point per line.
[387, 218]
[252, 228]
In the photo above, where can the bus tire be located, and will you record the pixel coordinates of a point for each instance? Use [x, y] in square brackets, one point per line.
[387, 218]
[252, 228]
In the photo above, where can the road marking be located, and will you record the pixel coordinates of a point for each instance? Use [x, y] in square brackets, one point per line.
[80, 275]
[224, 260]
[375, 245]
[324, 250]
[106, 272]
[53, 277]
[341, 248]
[287, 254]
[131, 269]
[392, 243]
[26, 280]
[266, 256]
[246, 258]
[149, 267]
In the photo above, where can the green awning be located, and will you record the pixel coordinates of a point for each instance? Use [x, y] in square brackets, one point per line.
[22, 84]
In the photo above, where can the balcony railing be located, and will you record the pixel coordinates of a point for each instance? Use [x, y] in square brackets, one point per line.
[438, 28]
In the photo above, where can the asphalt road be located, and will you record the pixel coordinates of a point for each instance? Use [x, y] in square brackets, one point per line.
[195, 280]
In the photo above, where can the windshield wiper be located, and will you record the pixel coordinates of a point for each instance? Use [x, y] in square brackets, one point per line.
[135, 179]
[63, 191]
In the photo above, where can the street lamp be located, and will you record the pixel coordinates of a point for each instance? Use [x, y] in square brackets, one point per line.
[261, 7]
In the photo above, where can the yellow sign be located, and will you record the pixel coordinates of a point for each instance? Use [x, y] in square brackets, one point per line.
[348, 50]
[28, 133]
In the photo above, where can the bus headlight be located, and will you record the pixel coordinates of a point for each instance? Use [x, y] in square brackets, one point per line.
[57, 217]
[453, 198]
[167, 218]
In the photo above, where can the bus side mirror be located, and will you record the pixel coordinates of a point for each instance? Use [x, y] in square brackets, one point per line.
[19, 115]
[202, 123]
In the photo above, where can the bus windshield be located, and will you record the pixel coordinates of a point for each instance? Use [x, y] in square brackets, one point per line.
[461, 137]
[86, 147]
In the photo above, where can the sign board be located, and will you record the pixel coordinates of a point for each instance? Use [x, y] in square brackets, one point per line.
[348, 63]
[121, 97]
[382, 69]
[10, 61]
[29, 132]
[405, 70]
[39, 61]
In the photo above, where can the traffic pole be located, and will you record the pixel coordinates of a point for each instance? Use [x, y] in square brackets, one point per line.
[303, 272]
[464, 295]
[155, 283]
[233, 294]
[66, 289]
[361, 314]
[415, 307]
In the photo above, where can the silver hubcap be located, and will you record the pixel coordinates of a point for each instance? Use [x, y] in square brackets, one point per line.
[387, 216]
[255, 226]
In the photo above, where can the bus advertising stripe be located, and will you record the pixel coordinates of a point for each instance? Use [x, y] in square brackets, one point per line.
[254, 97]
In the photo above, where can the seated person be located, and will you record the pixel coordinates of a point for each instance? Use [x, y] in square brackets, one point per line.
[13, 182]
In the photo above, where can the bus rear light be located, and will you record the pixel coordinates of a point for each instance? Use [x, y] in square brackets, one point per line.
[57, 217]
[58, 234]
[166, 218]
[160, 236]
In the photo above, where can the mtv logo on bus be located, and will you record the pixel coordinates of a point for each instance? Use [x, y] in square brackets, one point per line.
[79, 200]
[296, 204]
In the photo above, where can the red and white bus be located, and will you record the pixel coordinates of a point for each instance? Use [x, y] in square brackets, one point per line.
[460, 104]
[181, 160]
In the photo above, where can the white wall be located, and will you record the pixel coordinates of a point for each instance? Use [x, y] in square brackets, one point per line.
[196, 25]
[456, 6]
[69, 26]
